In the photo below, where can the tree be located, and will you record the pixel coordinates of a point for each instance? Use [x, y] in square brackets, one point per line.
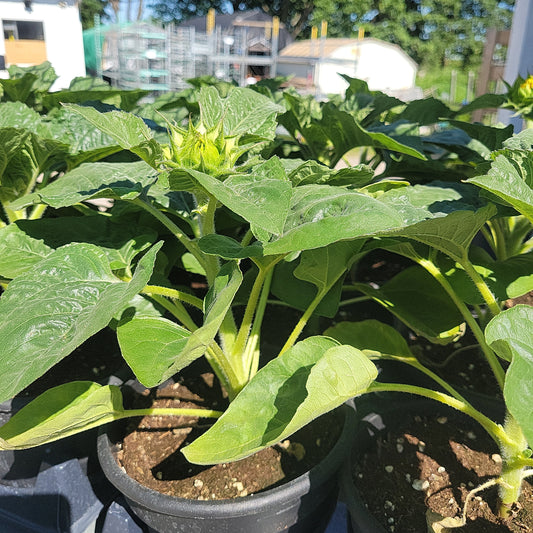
[430, 31]
[90, 8]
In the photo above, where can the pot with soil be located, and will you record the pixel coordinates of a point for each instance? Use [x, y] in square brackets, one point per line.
[415, 466]
[291, 486]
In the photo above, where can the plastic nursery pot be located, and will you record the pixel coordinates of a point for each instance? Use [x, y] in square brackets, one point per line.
[303, 505]
[377, 414]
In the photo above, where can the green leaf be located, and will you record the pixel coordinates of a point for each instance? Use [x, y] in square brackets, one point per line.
[228, 248]
[94, 180]
[248, 112]
[23, 156]
[420, 302]
[324, 266]
[313, 377]
[129, 131]
[262, 197]
[216, 304]
[371, 337]
[61, 411]
[492, 138]
[320, 215]
[150, 346]
[57, 305]
[445, 217]
[510, 179]
[26, 242]
[510, 334]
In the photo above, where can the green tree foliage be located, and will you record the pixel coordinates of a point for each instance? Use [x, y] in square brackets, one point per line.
[430, 31]
[90, 8]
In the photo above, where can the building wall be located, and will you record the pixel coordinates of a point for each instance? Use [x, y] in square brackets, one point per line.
[384, 67]
[63, 43]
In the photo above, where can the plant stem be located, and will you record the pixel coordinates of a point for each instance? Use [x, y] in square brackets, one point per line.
[494, 430]
[176, 231]
[481, 286]
[174, 294]
[168, 411]
[412, 361]
[302, 322]
[224, 370]
[177, 310]
[354, 300]
[512, 469]
[37, 212]
[251, 353]
[491, 357]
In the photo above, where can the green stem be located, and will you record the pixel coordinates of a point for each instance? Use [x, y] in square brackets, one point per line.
[500, 239]
[481, 286]
[489, 235]
[302, 322]
[469, 319]
[232, 380]
[168, 411]
[37, 212]
[355, 300]
[412, 361]
[177, 310]
[512, 468]
[494, 430]
[251, 352]
[176, 231]
[174, 294]
[13, 216]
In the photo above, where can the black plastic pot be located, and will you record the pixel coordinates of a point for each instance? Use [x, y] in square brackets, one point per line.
[377, 414]
[303, 505]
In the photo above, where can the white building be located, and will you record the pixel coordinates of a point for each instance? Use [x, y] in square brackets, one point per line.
[33, 31]
[384, 66]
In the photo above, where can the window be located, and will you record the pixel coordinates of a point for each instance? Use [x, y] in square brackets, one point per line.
[23, 29]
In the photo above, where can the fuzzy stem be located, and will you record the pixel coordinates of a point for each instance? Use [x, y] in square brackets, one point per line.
[494, 430]
[482, 287]
[176, 231]
[302, 323]
[37, 212]
[469, 319]
[168, 411]
[176, 309]
[174, 294]
[512, 469]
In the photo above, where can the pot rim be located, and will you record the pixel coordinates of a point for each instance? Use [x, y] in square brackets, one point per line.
[284, 494]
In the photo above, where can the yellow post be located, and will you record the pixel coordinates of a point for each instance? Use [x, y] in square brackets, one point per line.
[210, 21]
[314, 33]
[275, 27]
[324, 28]
[361, 33]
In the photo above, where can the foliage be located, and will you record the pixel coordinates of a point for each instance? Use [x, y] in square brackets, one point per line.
[520, 97]
[90, 8]
[268, 218]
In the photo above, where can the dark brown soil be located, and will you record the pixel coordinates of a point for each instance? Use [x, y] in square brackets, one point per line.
[433, 463]
[151, 449]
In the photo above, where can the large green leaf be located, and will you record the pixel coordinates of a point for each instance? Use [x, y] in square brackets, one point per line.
[313, 377]
[94, 180]
[150, 346]
[445, 217]
[371, 337]
[26, 242]
[261, 197]
[419, 301]
[321, 214]
[126, 100]
[129, 131]
[510, 179]
[510, 334]
[55, 306]
[59, 412]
